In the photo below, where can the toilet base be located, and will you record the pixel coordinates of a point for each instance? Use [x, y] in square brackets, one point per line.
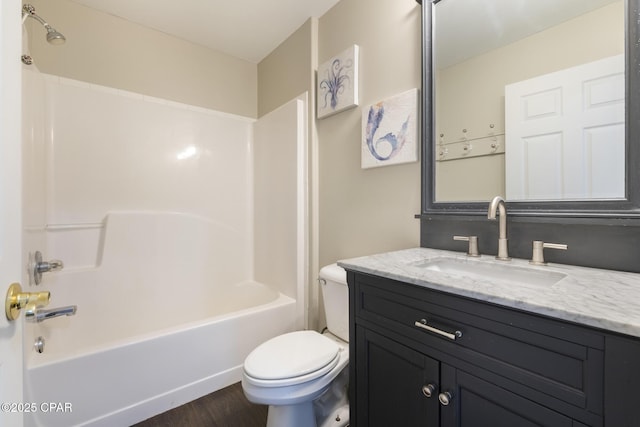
[332, 408]
[291, 415]
[339, 418]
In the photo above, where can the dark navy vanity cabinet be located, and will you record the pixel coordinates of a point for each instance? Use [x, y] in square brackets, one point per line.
[480, 364]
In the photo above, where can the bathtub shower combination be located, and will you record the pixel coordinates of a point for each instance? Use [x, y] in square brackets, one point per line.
[155, 326]
[150, 206]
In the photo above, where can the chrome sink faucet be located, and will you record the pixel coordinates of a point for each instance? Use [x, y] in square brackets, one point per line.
[497, 205]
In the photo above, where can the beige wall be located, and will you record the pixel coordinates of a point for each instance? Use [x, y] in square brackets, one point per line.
[287, 71]
[353, 211]
[360, 211]
[368, 211]
[110, 51]
[470, 95]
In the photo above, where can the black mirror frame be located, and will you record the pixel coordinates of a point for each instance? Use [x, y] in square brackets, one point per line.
[601, 234]
[629, 208]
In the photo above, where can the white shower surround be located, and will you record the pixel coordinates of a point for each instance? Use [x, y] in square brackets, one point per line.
[112, 150]
[150, 205]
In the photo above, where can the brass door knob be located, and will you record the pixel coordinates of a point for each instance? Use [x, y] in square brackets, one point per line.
[16, 300]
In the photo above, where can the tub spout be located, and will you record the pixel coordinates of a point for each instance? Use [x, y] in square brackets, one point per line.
[35, 314]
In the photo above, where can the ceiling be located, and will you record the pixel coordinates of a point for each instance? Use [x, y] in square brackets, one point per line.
[246, 29]
[496, 23]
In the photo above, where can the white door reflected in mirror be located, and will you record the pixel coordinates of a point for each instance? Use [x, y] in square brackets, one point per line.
[565, 134]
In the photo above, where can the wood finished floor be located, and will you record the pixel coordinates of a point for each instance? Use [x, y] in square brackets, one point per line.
[226, 407]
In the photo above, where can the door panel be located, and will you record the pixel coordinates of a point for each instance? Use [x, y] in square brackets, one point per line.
[389, 384]
[478, 403]
[565, 134]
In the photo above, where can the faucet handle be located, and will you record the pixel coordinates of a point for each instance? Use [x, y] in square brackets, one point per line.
[35, 313]
[39, 266]
[538, 246]
[473, 244]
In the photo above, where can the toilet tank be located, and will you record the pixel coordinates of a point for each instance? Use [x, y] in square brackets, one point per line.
[335, 293]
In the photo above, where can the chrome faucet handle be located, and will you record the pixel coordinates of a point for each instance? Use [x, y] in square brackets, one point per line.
[53, 265]
[537, 257]
[473, 244]
[39, 266]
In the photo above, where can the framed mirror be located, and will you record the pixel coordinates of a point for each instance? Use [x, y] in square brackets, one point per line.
[535, 101]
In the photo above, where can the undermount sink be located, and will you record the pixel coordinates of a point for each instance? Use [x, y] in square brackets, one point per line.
[480, 270]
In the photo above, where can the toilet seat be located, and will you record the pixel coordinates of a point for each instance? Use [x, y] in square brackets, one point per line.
[292, 358]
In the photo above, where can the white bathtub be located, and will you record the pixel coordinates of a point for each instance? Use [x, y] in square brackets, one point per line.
[162, 319]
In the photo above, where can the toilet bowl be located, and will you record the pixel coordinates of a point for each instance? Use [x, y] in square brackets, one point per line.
[303, 375]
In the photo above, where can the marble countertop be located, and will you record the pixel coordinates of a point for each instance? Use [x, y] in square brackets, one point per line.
[603, 299]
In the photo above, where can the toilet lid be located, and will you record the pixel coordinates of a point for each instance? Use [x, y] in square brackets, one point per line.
[292, 358]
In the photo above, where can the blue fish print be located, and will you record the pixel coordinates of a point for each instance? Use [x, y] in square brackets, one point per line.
[396, 142]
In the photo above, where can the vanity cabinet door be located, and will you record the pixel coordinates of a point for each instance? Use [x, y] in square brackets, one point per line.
[395, 385]
[473, 402]
[555, 364]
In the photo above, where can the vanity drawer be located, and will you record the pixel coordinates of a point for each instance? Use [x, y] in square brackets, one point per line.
[546, 360]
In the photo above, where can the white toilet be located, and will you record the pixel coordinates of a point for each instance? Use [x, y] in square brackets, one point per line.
[303, 375]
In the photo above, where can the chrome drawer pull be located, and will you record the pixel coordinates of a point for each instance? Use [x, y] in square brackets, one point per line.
[422, 323]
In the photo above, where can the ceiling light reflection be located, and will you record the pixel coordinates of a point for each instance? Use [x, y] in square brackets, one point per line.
[187, 153]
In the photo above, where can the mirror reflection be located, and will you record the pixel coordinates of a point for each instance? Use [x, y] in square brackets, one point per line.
[529, 100]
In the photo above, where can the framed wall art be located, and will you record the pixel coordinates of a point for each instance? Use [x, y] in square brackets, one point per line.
[338, 83]
[390, 131]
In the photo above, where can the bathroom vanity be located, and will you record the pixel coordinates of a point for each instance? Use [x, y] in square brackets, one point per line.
[441, 339]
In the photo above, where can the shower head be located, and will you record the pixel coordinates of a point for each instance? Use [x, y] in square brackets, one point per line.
[53, 36]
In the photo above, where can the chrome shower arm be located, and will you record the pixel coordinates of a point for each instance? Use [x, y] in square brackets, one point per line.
[53, 36]
[30, 11]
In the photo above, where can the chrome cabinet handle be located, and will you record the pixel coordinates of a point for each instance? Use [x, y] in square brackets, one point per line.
[422, 323]
[428, 390]
[445, 398]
